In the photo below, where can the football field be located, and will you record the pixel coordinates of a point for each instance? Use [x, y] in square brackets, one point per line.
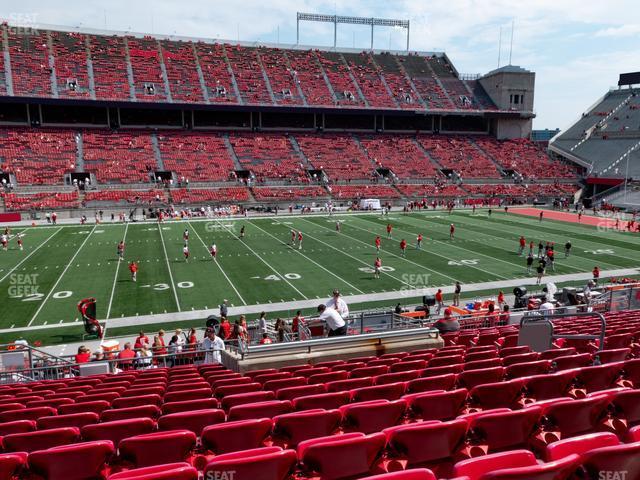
[41, 285]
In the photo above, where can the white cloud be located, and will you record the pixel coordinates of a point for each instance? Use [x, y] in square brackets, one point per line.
[622, 31]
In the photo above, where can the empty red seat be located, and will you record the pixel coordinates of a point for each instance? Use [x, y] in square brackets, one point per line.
[579, 445]
[408, 365]
[598, 377]
[258, 464]
[72, 462]
[266, 377]
[234, 436]
[328, 377]
[626, 409]
[17, 426]
[97, 406]
[11, 464]
[268, 409]
[194, 421]
[27, 414]
[391, 391]
[106, 396]
[11, 406]
[244, 398]
[40, 439]
[411, 474]
[70, 420]
[506, 351]
[472, 378]
[275, 385]
[445, 361]
[545, 387]
[484, 467]
[194, 394]
[215, 384]
[292, 392]
[444, 370]
[495, 395]
[612, 355]
[613, 458]
[520, 358]
[516, 370]
[188, 405]
[349, 455]
[427, 444]
[54, 403]
[481, 364]
[255, 373]
[572, 361]
[566, 418]
[368, 371]
[326, 401]
[127, 402]
[310, 371]
[493, 432]
[556, 352]
[170, 471]
[341, 385]
[437, 405]
[395, 377]
[147, 390]
[482, 355]
[372, 416]
[290, 429]
[150, 411]
[117, 430]
[158, 447]
[440, 382]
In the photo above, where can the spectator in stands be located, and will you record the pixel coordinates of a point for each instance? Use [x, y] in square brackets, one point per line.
[281, 329]
[225, 328]
[159, 347]
[333, 319]
[98, 356]
[83, 355]
[265, 339]
[262, 322]
[546, 308]
[338, 304]
[141, 341]
[224, 310]
[297, 320]
[126, 356]
[448, 323]
[398, 309]
[173, 349]
[213, 346]
[505, 315]
[182, 338]
[144, 357]
[439, 301]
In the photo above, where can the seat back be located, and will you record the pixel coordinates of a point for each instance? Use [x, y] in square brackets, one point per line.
[236, 435]
[171, 471]
[40, 439]
[194, 421]
[117, 430]
[372, 416]
[72, 462]
[292, 428]
[158, 447]
[259, 464]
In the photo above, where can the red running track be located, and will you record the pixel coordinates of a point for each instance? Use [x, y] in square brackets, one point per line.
[603, 222]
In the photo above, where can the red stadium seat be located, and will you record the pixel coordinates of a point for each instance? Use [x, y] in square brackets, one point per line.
[11, 464]
[260, 463]
[137, 401]
[231, 401]
[391, 391]
[150, 411]
[545, 387]
[349, 455]
[194, 421]
[472, 378]
[268, 409]
[441, 382]
[40, 439]
[495, 395]
[17, 426]
[493, 432]
[97, 406]
[437, 405]
[70, 420]
[72, 462]
[158, 447]
[326, 401]
[372, 416]
[579, 445]
[342, 385]
[189, 405]
[27, 414]
[234, 436]
[290, 429]
[292, 392]
[411, 474]
[117, 430]
[170, 471]
[516, 370]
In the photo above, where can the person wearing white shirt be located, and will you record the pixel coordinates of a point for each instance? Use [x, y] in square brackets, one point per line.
[333, 319]
[337, 303]
[213, 345]
[547, 307]
[262, 323]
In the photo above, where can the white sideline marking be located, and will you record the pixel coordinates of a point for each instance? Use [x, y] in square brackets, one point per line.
[115, 278]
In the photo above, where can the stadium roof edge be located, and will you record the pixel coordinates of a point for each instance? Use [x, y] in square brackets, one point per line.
[508, 69]
[183, 38]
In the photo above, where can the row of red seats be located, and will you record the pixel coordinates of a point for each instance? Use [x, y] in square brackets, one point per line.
[72, 76]
[179, 60]
[268, 156]
[248, 74]
[129, 196]
[109, 62]
[369, 78]
[338, 155]
[399, 154]
[284, 81]
[144, 56]
[520, 190]
[30, 69]
[216, 72]
[429, 190]
[459, 154]
[286, 193]
[40, 201]
[306, 69]
[363, 191]
[218, 195]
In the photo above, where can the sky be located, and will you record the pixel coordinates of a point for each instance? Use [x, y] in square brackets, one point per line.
[577, 48]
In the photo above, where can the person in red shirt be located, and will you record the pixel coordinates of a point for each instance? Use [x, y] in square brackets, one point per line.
[225, 328]
[376, 267]
[265, 339]
[389, 229]
[83, 355]
[141, 341]
[523, 243]
[403, 247]
[419, 241]
[378, 242]
[439, 301]
[531, 245]
[297, 320]
[293, 237]
[299, 240]
[500, 298]
[159, 347]
[20, 241]
[133, 268]
[452, 231]
[127, 355]
[596, 274]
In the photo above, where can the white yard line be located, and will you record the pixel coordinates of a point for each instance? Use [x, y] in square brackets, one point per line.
[355, 258]
[60, 278]
[27, 257]
[400, 257]
[265, 262]
[218, 265]
[115, 278]
[164, 247]
[311, 260]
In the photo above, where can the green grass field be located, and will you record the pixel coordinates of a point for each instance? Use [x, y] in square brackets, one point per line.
[40, 286]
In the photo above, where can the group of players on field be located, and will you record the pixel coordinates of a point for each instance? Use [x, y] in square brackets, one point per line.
[6, 237]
